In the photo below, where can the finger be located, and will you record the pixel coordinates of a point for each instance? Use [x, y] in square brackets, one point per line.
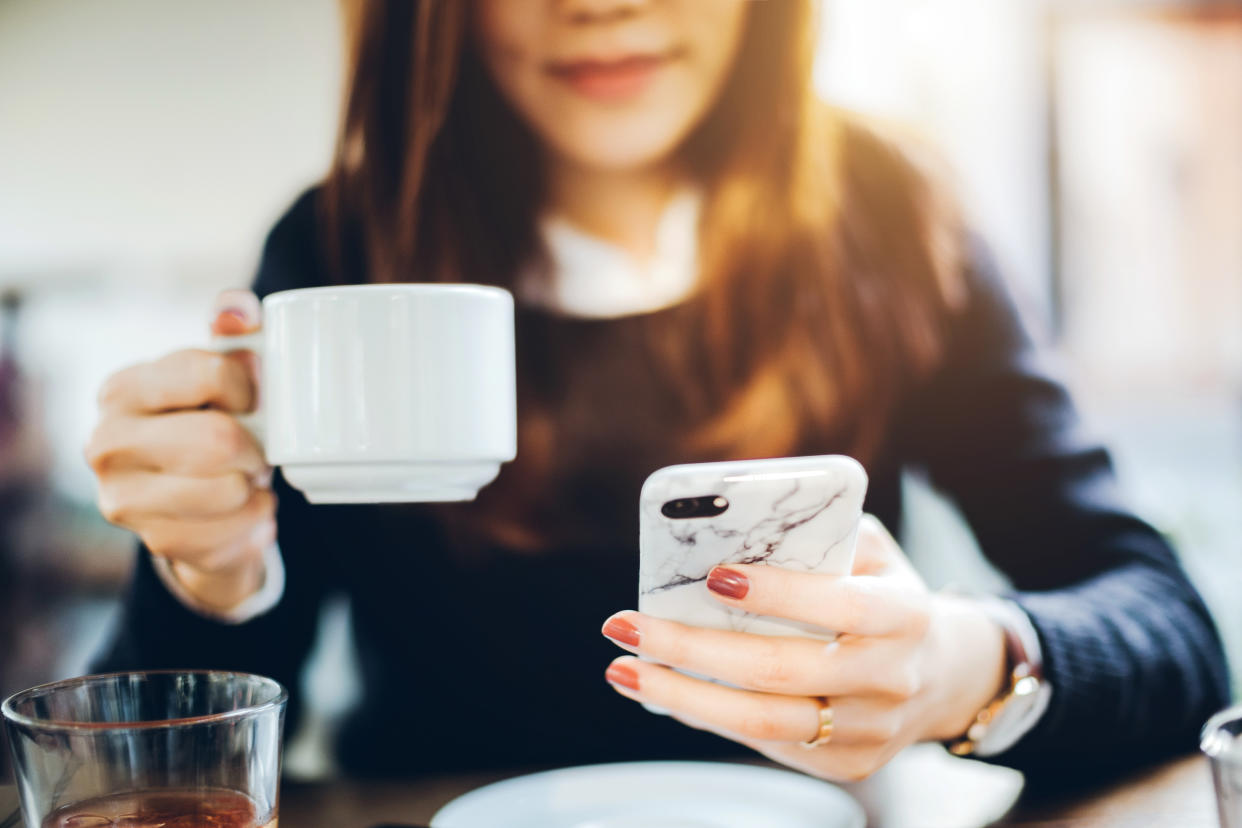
[182, 380]
[877, 552]
[215, 543]
[132, 496]
[770, 664]
[236, 312]
[189, 443]
[856, 727]
[842, 759]
[870, 556]
[743, 715]
[835, 762]
[858, 604]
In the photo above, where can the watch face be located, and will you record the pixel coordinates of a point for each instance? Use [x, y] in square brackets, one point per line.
[1026, 686]
[1013, 714]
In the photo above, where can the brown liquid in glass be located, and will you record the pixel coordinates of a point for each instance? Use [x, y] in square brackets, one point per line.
[163, 808]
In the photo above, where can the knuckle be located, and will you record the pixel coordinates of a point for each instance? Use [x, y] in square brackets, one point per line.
[852, 607]
[211, 373]
[904, 684]
[884, 730]
[919, 622]
[877, 534]
[875, 546]
[118, 386]
[870, 535]
[869, 526]
[94, 454]
[111, 507]
[234, 492]
[771, 672]
[99, 449]
[264, 502]
[759, 726]
[223, 438]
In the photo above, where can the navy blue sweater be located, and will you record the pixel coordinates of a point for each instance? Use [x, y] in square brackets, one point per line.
[458, 646]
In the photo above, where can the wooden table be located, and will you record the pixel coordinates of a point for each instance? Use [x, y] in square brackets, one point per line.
[922, 788]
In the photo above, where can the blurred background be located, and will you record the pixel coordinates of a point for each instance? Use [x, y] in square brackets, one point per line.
[146, 147]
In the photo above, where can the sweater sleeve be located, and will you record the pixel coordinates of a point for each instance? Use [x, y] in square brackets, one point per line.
[156, 632]
[1132, 654]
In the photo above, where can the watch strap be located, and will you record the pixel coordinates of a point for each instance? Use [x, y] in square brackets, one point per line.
[1025, 697]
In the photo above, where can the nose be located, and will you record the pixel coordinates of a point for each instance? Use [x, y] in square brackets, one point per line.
[601, 11]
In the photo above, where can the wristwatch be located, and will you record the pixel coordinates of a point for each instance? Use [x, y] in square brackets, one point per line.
[1023, 700]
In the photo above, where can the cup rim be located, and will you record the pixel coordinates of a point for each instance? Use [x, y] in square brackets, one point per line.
[278, 697]
[1234, 757]
[461, 288]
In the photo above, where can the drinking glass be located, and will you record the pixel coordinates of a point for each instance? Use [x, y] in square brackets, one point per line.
[1222, 742]
[139, 750]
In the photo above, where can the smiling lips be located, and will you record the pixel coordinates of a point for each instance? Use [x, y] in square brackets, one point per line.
[610, 80]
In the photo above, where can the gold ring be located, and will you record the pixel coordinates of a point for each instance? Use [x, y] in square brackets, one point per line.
[824, 735]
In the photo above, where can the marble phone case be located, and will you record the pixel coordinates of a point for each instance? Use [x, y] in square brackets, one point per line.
[798, 513]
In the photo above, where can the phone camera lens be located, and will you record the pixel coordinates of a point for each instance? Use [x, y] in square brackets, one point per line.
[694, 507]
[681, 508]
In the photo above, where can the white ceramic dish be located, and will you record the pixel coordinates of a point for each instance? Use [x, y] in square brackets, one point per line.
[655, 795]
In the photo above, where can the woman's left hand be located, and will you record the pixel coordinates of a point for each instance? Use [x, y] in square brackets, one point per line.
[909, 665]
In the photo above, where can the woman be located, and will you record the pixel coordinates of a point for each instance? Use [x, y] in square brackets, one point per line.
[709, 264]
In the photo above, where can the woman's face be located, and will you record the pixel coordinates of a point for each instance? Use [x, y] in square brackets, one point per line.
[610, 84]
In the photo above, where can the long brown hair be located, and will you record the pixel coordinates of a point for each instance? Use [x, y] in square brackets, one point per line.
[829, 258]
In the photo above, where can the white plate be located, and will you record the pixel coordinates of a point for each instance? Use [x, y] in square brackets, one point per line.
[655, 795]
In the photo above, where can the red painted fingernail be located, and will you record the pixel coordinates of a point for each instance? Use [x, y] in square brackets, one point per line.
[621, 631]
[626, 677]
[728, 582]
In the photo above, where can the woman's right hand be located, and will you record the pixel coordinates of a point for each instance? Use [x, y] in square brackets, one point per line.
[177, 468]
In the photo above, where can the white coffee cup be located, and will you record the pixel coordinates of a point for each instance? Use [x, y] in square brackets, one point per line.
[385, 393]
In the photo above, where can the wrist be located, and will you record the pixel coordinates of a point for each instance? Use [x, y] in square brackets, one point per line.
[220, 590]
[970, 654]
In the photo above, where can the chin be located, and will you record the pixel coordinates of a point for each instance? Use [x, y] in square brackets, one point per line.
[617, 148]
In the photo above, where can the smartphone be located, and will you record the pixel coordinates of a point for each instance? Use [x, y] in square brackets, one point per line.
[797, 513]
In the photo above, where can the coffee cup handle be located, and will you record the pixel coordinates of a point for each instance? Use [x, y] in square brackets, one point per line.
[253, 421]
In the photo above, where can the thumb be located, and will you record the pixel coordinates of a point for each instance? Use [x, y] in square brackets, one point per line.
[876, 551]
[236, 312]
